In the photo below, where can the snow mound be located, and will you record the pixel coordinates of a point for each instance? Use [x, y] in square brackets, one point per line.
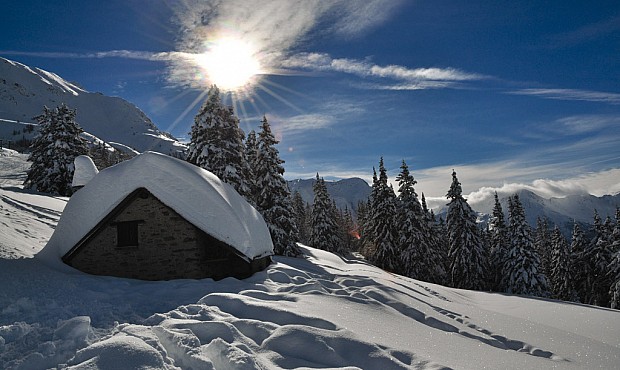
[85, 170]
[194, 193]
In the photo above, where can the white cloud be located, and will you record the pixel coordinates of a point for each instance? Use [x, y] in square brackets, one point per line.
[272, 27]
[482, 181]
[581, 124]
[406, 78]
[303, 122]
[571, 94]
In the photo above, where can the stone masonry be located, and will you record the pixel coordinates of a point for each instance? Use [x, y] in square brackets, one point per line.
[169, 247]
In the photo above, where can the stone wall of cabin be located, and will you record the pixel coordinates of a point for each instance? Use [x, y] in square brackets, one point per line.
[169, 247]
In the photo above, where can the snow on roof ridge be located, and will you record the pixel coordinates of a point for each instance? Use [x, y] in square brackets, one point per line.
[194, 193]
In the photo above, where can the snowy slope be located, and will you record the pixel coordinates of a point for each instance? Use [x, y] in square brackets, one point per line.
[319, 311]
[25, 90]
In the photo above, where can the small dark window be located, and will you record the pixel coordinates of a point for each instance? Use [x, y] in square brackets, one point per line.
[127, 233]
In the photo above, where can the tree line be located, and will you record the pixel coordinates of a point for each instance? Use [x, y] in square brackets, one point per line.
[393, 230]
[398, 233]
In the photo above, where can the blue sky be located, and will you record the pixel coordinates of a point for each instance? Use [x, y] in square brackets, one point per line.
[511, 94]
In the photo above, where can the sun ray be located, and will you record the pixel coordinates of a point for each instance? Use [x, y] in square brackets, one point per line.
[280, 98]
[196, 101]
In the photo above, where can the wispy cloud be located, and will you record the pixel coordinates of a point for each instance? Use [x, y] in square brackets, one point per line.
[571, 94]
[324, 115]
[276, 27]
[126, 54]
[305, 122]
[272, 27]
[405, 78]
[582, 124]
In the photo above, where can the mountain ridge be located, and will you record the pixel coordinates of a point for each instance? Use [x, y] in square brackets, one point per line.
[24, 90]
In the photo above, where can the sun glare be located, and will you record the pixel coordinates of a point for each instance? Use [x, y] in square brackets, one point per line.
[229, 63]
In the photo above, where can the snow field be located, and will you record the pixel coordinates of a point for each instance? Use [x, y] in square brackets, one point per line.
[319, 311]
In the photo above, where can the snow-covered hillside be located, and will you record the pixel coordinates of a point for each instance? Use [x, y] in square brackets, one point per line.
[319, 311]
[25, 90]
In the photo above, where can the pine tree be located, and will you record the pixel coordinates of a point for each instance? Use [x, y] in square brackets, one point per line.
[382, 233]
[598, 255]
[498, 245]
[414, 243]
[363, 228]
[561, 276]
[324, 232]
[367, 221]
[216, 144]
[348, 230]
[100, 155]
[467, 255]
[424, 206]
[523, 274]
[614, 276]
[273, 197]
[437, 235]
[542, 243]
[614, 266]
[580, 265]
[615, 233]
[301, 218]
[54, 150]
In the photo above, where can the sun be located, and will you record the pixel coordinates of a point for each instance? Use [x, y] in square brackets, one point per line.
[229, 63]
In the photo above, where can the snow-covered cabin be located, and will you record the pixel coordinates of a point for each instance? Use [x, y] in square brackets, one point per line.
[155, 217]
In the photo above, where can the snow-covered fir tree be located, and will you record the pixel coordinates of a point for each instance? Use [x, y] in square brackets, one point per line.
[615, 234]
[614, 275]
[216, 144]
[522, 271]
[498, 245]
[414, 235]
[580, 266]
[561, 276]
[363, 227]
[614, 266]
[324, 231]
[382, 233]
[273, 197]
[598, 255]
[53, 151]
[467, 254]
[439, 243]
[302, 217]
[348, 230]
[542, 243]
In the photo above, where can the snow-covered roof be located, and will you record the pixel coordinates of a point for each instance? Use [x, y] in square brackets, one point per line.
[194, 193]
[84, 171]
